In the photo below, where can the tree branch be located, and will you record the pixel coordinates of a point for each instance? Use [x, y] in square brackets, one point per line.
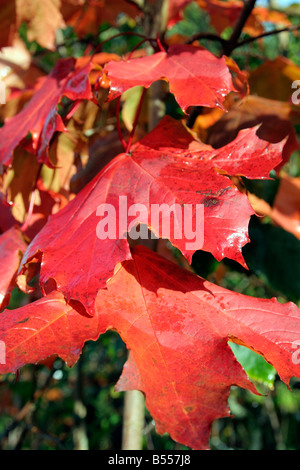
[246, 12]
[209, 36]
[268, 33]
[134, 418]
[231, 43]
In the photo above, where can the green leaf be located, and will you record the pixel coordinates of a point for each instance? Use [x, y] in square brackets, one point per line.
[256, 367]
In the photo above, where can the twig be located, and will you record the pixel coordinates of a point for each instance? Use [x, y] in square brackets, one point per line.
[30, 211]
[208, 36]
[137, 115]
[26, 223]
[231, 43]
[245, 13]
[136, 47]
[125, 33]
[268, 33]
[121, 137]
[159, 44]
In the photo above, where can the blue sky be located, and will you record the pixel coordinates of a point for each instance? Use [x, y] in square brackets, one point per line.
[283, 3]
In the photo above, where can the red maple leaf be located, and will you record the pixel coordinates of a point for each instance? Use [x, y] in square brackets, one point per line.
[167, 166]
[180, 66]
[40, 116]
[177, 327]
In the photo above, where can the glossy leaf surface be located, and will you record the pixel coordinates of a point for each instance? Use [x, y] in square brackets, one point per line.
[176, 326]
[166, 167]
[179, 66]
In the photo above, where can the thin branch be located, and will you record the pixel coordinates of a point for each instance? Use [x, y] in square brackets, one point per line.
[242, 20]
[137, 115]
[209, 36]
[268, 33]
[30, 211]
[159, 44]
[227, 44]
[230, 45]
[139, 44]
[121, 137]
[26, 223]
[125, 33]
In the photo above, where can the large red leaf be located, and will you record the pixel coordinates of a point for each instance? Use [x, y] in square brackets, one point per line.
[276, 120]
[176, 326]
[44, 328]
[12, 247]
[168, 167]
[208, 77]
[40, 116]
